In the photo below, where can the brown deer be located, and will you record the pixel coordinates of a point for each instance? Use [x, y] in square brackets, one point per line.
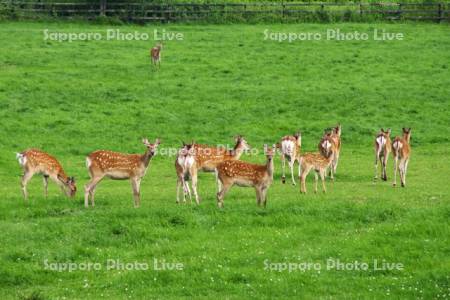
[240, 173]
[184, 164]
[35, 161]
[208, 157]
[402, 151]
[118, 166]
[155, 54]
[383, 147]
[336, 140]
[290, 149]
[319, 161]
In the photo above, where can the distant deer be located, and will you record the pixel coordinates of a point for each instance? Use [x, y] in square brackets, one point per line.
[290, 149]
[35, 161]
[118, 166]
[402, 151]
[208, 157]
[184, 166]
[240, 173]
[336, 140]
[383, 147]
[319, 161]
[155, 54]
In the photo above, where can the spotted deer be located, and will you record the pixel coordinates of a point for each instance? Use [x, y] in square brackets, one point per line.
[290, 149]
[208, 157]
[184, 164]
[336, 141]
[319, 161]
[118, 166]
[244, 174]
[34, 161]
[383, 147]
[155, 54]
[402, 151]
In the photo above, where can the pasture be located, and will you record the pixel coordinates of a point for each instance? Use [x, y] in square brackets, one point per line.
[70, 99]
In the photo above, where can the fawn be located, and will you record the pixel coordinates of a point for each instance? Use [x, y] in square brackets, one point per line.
[155, 54]
[35, 161]
[290, 149]
[240, 173]
[184, 164]
[319, 161]
[118, 166]
[336, 140]
[402, 151]
[383, 147]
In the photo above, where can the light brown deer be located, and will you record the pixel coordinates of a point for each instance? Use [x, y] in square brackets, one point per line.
[290, 147]
[208, 157]
[402, 151]
[155, 54]
[184, 164]
[35, 161]
[118, 166]
[383, 147]
[240, 173]
[336, 140]
[319, 161]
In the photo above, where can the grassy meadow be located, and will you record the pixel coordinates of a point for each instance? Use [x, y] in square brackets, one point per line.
[219, 81]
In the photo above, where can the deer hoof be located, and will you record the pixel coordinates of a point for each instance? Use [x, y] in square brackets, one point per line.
[283, 180]
[394, 184]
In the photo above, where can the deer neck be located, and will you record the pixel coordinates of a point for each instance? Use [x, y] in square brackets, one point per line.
[237, 151]
[146, 157]
[269, 167]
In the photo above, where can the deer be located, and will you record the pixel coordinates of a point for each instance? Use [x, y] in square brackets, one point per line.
[118, 166]
[290, 149]
[319, 161]
[155, 54]
[244, 174]
[184, 164]
[34, 161]
[208, 157]
[336, 141]
[401, 149]
[383, 147]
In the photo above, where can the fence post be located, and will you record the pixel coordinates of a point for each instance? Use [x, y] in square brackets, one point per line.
[440, 12]
[102, 8]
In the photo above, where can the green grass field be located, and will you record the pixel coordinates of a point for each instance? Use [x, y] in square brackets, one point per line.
[72, 98]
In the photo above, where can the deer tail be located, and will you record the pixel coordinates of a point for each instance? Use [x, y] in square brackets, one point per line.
[21, 158]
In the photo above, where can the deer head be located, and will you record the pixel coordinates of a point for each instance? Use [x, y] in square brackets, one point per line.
[407, 133]
[151, 148]
[241, 144]
[337, 130]
[69, 182]
[325, 145]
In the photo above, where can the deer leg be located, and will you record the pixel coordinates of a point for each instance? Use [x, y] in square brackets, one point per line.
[336, 161]
[178, 189]
[283, 166]
[376, 167]
[92, 193]
[258, 195]
[322, 177]
[291, 167]
[264, 196]
[188, 190]
[194, 186]
[219, 184]
[402, 172]
[135, 185]
[221, 194]
[316, 179]
[404, 175]
[384, 165]
[88, 187]
[45, 178]
[303, 180]
[25, 179]
[395, 170]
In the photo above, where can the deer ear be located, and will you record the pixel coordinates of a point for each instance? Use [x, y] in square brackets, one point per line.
[145, 141]
[157, 141]
[388, 131]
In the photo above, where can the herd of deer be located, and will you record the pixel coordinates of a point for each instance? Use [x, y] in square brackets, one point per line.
[225, 163]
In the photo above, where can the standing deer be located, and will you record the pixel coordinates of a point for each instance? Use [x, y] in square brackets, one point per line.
[184, 164]
[290, 149]
[336, 140]
[240, 173]
[35, 161]
[207, 158]
[319, 161]
[155, 54]
[118, 166]
[402, 151]
[383, 147]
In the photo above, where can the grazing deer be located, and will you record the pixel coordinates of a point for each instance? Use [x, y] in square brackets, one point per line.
[402, 151]
[184, 165]
[207, 158]
[240, 173]
[118, 166]
[155, 54]
[383, 147]
[319, 161]
[336, 140]
[35, 161]
[290, 149]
